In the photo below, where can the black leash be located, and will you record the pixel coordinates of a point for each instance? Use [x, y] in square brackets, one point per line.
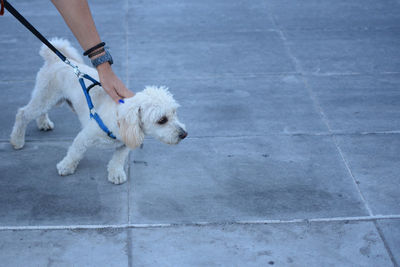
[29, 26]
[79, 74]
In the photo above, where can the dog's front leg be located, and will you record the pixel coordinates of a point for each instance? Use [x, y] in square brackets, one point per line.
[116, 173]
[75, 153]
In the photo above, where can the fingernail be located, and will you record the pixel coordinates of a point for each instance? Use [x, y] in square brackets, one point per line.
[121, 101]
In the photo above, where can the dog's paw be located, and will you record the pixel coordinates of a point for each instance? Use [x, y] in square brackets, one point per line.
[66, 168]
[45, 125]
[17, 142]
[117, 176]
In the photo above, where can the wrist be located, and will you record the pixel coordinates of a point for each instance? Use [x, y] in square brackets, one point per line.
[104, 67]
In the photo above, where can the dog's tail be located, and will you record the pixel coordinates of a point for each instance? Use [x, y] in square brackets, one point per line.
[64, 46]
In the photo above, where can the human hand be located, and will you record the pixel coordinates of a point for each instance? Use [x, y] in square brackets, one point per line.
[113, 86]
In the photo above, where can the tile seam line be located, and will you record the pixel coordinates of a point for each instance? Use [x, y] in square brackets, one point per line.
[321, 112]
[169, 225]
[385, 244]
[269, 30]
[235, 136]
[127, 80]
[279, 73]
[128, 168]
[243, 75]
[352, 176]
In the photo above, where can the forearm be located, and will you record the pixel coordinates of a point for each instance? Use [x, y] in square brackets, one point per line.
[78, 17]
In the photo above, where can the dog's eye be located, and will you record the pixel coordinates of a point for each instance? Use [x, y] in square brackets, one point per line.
[163, 120]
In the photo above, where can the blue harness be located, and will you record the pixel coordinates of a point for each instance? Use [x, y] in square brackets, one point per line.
[79, 74]
[92, 110]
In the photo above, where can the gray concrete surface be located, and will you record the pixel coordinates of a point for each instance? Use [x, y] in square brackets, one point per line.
[292, 158]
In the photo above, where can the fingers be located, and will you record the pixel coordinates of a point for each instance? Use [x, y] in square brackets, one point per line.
[113, 93]
[128, 93]
[119, 93]
[124, 92]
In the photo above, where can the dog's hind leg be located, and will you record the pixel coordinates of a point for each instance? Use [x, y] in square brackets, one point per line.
[43, 98]
[24, 116]
[116, 173]
[44, 123]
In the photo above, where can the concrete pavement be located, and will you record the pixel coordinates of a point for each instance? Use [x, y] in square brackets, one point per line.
[292, 158]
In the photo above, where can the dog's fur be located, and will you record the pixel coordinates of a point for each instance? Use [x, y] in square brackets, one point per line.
[140, 115]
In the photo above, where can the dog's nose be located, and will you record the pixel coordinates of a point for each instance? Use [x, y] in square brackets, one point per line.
[183, 134]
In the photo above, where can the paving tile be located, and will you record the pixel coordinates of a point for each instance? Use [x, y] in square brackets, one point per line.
[316, 244]
[66, 123]
[374, 161]
[32, 193]
[22, 60]
[326, 52]
[359, 103]
[149, 19]
[225, 179]
[208, 55]
[63, 248]
[342, 14]
[391, 233]
[242, 106]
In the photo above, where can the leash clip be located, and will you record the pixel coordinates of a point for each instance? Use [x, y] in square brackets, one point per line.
[77, 72]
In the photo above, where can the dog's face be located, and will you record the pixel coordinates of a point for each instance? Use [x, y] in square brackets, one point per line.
[150, 112]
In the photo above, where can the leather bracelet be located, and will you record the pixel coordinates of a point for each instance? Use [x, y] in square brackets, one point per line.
[96, 52]
[90, 50]
[102, 59]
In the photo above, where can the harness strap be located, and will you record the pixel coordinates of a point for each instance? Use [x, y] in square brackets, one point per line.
[97, 118]
[93, 113]
[81, 76]
[94, 82]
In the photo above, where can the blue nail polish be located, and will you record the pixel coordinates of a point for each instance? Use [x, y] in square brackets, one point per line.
[121, 101]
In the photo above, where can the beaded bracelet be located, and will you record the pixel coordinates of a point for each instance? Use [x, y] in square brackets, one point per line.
[102, 59]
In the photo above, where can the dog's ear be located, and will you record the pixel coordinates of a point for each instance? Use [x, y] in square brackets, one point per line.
[130, 129]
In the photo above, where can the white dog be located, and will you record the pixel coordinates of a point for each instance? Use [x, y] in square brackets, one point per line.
[150, 112]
